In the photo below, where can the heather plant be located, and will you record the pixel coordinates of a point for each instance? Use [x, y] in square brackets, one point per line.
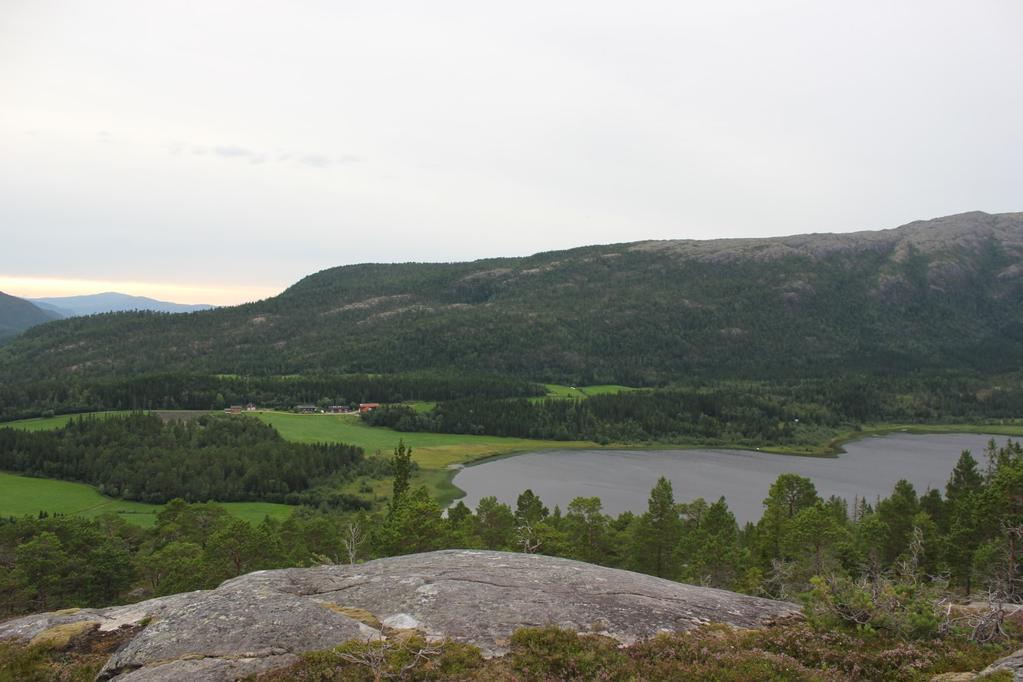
[718, 653]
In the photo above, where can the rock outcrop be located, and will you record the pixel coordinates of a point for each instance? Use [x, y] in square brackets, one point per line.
[1013, 663]
[262, 620]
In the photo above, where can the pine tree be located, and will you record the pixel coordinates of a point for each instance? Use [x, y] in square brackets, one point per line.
[658, 532]
[529, 510]
[401, 469]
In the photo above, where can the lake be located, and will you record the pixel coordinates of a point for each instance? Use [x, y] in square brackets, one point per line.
[622, 479]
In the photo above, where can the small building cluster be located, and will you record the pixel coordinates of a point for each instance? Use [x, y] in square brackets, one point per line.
[335, 409]
[238, 409]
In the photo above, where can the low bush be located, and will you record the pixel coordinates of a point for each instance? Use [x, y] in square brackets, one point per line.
[793, 653]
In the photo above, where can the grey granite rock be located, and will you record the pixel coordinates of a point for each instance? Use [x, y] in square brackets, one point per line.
[1013, 663]
[261, 620]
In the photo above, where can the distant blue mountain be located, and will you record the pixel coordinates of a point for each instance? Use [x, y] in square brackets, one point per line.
[111, 302]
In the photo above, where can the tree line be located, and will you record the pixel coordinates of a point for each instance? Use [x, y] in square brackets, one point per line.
[191, 391]
[806, 412]
[140, 457]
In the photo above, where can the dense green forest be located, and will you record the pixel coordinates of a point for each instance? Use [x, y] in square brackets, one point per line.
[736, 413]
[140, 457]
[189, 391]
[939, 295]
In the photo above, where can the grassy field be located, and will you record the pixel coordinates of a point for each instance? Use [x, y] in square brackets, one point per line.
[435, 453]
[559, 391]
[429, 450]
[46, 423]
[20, 495]
[603, 389]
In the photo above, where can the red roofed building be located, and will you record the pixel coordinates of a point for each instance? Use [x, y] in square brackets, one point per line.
[366, 407]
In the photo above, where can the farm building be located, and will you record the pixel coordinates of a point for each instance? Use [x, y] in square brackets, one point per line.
[305, 409]
[234, 409]
[366, 407]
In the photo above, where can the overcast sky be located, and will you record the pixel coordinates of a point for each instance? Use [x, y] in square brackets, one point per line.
[217, 151]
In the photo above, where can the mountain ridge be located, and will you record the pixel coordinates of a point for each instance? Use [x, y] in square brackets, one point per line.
[109, 302]
[926, 235]
[938, 294]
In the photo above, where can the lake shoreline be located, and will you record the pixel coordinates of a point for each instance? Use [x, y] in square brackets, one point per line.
[908, 445]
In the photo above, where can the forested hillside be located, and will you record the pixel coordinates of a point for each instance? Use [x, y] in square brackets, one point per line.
[942, 293]
[17, 315]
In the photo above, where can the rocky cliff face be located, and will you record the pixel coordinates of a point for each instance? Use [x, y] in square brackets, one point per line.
[262, 620]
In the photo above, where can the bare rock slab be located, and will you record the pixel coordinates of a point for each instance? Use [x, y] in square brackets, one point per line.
[260, 621]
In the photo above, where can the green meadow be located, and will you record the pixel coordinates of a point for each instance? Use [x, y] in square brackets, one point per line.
[46, 423]
[20, 495]
[429, 450]
[602, 389]
[434, 452]
[560, 391]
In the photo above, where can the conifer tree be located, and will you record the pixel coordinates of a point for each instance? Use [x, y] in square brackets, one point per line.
[401, 469]
[658, 532]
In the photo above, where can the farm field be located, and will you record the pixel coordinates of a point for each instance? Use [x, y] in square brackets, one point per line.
[429, 450]
[20, 495]
[433, 452]
[560, 391]
[46, 423]
[603, 389]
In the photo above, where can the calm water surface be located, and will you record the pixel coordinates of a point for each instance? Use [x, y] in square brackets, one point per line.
[622, 479]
